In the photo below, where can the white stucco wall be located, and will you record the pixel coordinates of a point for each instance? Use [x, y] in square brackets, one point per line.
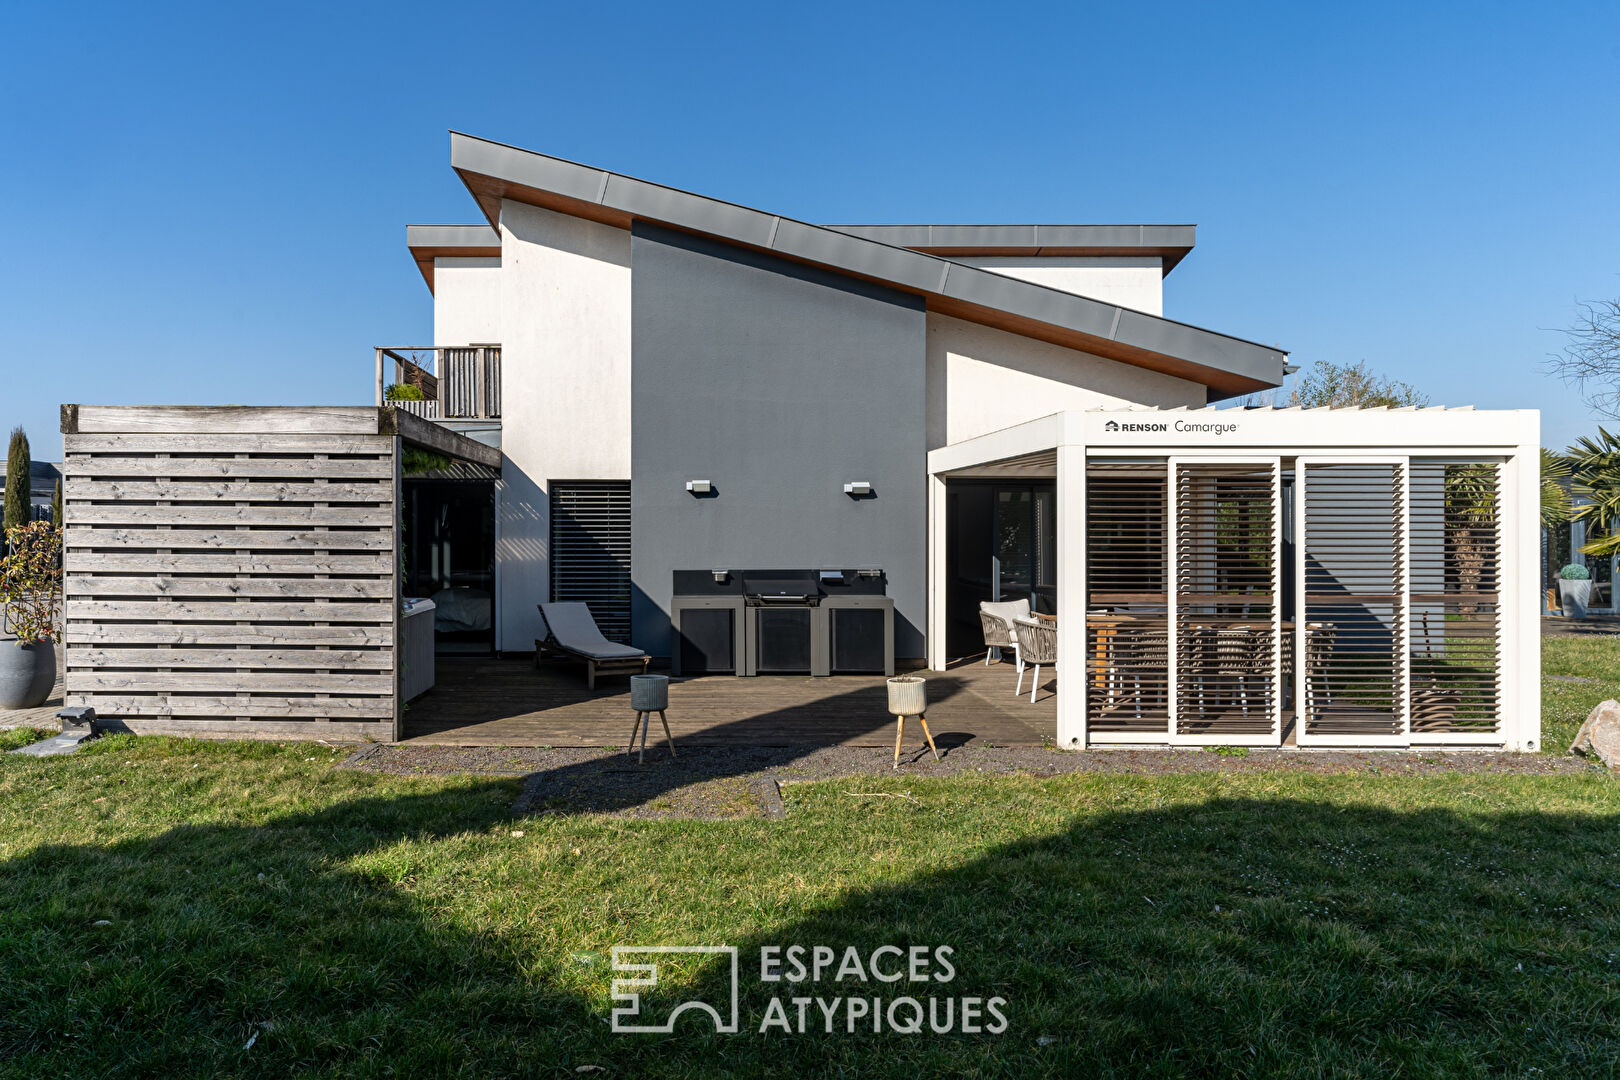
[981, 380]
[467, 300]
[1136, 282]
[565, 387]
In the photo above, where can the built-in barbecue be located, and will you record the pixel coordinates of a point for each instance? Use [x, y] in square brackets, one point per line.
[782, 622]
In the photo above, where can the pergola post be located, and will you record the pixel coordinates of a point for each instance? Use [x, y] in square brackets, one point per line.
[937, 615]
[1521, 625]
[1071, 595]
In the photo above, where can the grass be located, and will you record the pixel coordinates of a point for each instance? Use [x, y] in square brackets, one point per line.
[168, 903]
[172, 909]
[1564, 705]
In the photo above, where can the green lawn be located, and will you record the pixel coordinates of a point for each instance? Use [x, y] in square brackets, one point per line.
[1565, 704]
[164, 903]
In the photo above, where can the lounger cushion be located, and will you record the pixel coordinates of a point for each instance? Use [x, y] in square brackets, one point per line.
[573, 629]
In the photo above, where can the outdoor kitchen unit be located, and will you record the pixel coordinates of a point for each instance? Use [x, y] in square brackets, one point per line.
[780, 609]
[782, 622]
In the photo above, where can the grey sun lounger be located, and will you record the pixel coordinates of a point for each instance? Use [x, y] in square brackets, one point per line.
[570, 630]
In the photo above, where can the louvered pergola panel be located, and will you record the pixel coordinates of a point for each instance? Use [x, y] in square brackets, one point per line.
[1225, 616]
[590, 550]
[1352, 633]
[1127, 622]
[1455, 601]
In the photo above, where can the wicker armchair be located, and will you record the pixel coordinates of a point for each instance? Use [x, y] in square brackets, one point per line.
[997, 620]
[1037, 645]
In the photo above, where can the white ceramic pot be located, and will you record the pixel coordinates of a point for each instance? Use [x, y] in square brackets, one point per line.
[908, 695]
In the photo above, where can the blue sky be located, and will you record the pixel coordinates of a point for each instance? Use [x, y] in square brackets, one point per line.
[207, 203]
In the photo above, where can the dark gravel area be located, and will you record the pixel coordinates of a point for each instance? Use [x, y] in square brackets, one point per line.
[730, 782]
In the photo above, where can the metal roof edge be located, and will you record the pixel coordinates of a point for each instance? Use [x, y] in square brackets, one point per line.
[964, 288]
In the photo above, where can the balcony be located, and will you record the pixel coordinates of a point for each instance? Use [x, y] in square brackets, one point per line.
[458, 382]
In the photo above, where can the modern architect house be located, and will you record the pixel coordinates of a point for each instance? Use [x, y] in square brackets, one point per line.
[754, 445]
[650, 337]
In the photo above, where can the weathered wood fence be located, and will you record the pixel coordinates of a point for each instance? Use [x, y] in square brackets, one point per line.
[232, 571]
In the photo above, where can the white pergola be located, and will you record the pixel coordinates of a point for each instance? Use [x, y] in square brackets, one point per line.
[1269, 577]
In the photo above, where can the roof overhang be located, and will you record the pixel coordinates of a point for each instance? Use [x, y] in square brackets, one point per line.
[429, 242]
[1169, 243]
[1228, 366]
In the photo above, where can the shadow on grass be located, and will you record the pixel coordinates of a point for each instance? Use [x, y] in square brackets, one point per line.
[1233, 936]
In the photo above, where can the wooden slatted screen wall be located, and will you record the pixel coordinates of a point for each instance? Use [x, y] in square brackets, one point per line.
[1455, 602]
[590, 550]
[231, 571]
[471, 381]
[1226, 600]
[1127, 621]
[1353, 532]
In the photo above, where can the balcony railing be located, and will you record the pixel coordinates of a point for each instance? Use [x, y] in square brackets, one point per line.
[458, 382]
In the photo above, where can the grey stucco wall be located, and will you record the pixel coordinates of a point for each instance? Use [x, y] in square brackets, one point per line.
[779, 383]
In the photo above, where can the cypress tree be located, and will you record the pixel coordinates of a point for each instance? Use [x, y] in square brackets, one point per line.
[56, 506]
[18, 509]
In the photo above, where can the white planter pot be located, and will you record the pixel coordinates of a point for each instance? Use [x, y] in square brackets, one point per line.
[908, 696]
[1573, 596]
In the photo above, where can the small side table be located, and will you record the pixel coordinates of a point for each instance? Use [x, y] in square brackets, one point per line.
[649, 694]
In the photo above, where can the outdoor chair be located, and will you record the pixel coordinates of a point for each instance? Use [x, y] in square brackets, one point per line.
[1319, 639]
[1037, 645]
[571, 631]
[997, 620]
[1142, 652]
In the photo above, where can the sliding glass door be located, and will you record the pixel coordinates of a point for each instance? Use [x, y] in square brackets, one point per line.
[1001, 544]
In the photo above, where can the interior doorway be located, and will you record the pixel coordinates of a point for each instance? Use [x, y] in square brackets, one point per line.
[1000, 544]
[449, 557]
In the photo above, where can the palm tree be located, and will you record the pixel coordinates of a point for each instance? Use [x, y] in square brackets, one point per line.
[1596, 467]
[1555, 471]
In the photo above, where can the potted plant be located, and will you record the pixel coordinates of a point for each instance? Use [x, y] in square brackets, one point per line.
[30, 606]
[1574, 589]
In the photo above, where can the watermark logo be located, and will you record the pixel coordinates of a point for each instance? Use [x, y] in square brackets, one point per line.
[627, 992]
[889, 990]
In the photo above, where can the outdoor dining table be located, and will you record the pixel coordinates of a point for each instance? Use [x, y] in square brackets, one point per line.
[1107, 627]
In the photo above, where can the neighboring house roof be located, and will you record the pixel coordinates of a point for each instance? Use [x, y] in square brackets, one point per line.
[42, 478]
[428, 242]
[1170, 243]
[1229, 366]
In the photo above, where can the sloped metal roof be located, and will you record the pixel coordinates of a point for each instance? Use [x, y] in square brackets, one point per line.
[1227, 365]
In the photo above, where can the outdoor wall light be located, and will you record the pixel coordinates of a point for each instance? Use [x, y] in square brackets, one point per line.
[700, 487]
[858, 488]
[720, 576]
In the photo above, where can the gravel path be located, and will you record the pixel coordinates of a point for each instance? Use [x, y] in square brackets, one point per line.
[731, 782]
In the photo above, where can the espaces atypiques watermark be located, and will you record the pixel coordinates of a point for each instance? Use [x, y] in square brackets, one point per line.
[907, 1000]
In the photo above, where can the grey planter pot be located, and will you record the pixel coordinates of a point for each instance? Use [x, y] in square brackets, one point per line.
[1573, 595]
[649, 693]
[908, 696]
[27, 673]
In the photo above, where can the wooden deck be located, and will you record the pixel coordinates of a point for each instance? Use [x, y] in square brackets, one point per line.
[510, 703]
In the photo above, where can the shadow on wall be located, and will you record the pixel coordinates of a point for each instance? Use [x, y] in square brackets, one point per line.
[414, 935]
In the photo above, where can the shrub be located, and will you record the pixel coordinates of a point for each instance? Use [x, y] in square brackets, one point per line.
[403, 392]
[31, 582]
[19, 485]
[1574, 572]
